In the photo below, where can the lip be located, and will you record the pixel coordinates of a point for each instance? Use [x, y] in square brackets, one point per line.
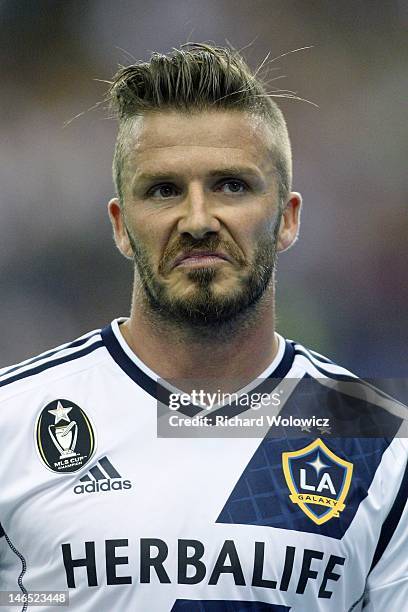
[200, 258]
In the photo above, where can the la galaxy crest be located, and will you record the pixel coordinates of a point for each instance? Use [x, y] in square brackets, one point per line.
[64, 436]
[318, 480]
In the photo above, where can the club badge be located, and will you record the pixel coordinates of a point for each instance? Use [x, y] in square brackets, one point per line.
[64, 436]
[318, 480]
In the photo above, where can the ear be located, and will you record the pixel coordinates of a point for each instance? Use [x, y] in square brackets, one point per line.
[120, 233]
[290, 222]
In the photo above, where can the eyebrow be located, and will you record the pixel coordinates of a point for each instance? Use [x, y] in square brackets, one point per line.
[232, 171]
[235, 171]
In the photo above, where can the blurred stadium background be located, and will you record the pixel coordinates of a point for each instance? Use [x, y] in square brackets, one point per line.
[342, 289]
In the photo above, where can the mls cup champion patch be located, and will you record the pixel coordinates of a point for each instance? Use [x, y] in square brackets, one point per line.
[318, 480]
[64, 436]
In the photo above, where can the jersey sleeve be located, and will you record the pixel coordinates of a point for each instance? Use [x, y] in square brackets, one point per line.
[387, 582]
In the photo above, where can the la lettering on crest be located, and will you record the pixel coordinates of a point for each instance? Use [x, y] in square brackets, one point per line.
[318, 480]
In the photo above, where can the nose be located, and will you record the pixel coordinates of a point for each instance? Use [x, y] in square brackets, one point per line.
[197, 218]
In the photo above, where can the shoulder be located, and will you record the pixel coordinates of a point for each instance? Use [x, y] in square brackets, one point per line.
[348, 396]
[317, 365]
[56, 363]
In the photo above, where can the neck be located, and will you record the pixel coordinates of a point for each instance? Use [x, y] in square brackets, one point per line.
[239, 350]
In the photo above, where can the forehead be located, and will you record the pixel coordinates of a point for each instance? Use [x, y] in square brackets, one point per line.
[171, 139]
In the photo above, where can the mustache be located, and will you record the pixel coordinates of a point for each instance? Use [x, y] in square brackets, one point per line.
[187, 245]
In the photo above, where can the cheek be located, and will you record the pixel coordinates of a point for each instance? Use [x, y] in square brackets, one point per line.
[265, 224]
[150, 234]
[253, 225]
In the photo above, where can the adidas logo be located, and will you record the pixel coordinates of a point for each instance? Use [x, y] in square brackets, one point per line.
[101, 477]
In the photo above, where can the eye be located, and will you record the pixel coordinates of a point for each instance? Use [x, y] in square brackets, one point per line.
[164, 191]
[232, 186]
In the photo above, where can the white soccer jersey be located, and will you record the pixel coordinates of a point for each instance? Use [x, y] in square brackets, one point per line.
[93, 502]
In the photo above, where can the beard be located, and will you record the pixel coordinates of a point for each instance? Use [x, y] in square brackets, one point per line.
[203, 307]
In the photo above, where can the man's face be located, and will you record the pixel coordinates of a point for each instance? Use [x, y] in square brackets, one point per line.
[201, 213]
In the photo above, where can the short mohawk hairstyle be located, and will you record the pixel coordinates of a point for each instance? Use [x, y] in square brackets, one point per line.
[196, 77]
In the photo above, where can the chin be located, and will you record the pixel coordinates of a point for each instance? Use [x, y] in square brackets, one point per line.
[216, 289]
